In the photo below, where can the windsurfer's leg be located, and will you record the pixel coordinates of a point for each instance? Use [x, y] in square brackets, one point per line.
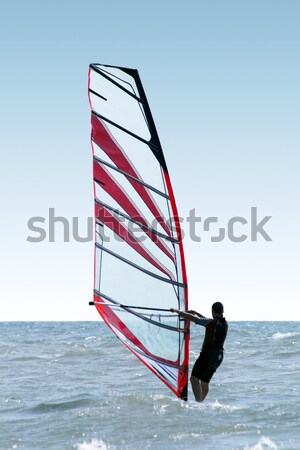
[196, 386]
[204, 390]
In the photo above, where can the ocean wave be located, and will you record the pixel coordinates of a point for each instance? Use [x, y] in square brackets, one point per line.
[26, 358]
[264, 443]
[285, 335]
[102, 402]
[61, 406]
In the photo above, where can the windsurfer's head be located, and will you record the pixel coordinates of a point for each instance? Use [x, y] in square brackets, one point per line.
[217, 308]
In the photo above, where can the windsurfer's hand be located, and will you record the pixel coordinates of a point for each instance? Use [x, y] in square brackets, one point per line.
[174, 310]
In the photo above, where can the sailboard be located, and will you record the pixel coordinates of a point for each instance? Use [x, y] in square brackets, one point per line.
[139, 268]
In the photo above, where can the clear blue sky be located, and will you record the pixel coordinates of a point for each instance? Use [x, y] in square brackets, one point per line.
[222, 79]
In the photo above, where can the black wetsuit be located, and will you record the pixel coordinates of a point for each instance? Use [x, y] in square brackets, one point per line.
[212, 352]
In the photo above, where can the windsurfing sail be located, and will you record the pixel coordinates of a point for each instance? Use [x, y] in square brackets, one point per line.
[139, 261]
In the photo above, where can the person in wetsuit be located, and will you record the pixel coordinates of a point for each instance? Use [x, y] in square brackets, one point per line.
[212, 352]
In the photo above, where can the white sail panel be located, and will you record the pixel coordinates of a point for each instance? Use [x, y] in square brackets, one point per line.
[139, 262]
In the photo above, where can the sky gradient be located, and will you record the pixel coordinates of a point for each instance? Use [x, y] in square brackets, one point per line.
[222, 80]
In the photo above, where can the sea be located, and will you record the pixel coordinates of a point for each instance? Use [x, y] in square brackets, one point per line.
[73, 385]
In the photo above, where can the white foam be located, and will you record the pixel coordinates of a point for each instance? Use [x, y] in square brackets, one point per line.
[263, 444]
[216, 405]
[94, 444]
[181, 436]
[285, 335]
[223, 407]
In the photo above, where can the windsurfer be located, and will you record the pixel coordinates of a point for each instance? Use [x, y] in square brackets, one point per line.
[211, 355]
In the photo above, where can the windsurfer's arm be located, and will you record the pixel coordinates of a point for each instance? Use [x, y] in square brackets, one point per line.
[185, 315]
[196, 314]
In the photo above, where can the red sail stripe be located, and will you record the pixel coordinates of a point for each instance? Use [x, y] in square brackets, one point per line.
[113, 188]
[111, 318]
[115, 225]
[102, 137]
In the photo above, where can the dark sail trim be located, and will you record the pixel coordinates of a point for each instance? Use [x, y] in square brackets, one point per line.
[150, 144]
[98, 95]
[154, 143]
[148, 186]
[130, 310]
[166, 280]
[104, 75]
